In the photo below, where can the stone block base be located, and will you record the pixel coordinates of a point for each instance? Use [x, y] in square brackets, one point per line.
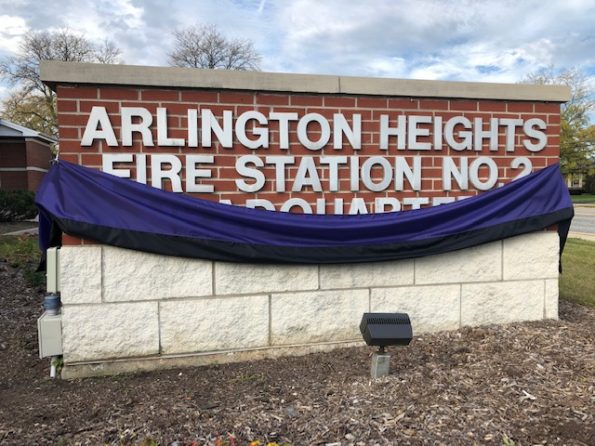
[125, 311]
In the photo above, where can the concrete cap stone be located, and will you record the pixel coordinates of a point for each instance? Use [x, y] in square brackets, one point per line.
[55, 72]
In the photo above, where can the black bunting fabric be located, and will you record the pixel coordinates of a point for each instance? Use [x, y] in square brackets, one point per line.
[94, 205]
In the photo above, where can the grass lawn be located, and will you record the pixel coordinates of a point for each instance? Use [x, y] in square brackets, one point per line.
[577, 282]
[583, 199]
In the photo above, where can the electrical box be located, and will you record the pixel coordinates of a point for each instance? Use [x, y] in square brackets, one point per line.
[53, 270]
[49, 332]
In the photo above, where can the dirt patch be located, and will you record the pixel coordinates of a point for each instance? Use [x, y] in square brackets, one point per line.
[530, 383]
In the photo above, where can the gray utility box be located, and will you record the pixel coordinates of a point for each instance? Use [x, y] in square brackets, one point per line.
[49, 332]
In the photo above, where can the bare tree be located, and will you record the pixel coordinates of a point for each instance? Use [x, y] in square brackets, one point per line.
[205, 47]
[32, 103]
[107, 52]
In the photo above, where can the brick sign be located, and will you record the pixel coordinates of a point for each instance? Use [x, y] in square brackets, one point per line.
[298, 143]
[314, 153]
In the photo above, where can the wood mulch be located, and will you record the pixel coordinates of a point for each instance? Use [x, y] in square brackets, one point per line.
[523, 384]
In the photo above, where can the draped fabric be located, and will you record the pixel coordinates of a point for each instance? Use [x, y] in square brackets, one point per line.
[87, 203]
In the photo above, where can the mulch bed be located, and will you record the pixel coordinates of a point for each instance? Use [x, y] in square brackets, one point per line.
[524, 384]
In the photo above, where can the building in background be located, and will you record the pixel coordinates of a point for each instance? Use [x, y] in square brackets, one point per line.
[25, 156]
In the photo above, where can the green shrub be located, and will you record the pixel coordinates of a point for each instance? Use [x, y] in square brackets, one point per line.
[16, 205]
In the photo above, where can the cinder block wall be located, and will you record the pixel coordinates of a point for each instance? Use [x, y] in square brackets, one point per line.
[126, 310]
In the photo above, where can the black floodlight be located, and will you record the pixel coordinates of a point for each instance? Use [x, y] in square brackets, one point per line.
[384, 329]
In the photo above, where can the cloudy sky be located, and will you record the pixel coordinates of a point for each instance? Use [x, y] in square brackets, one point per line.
[493, 41]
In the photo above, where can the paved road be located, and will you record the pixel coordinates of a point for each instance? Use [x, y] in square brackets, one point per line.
[584, 219]
[583, 223]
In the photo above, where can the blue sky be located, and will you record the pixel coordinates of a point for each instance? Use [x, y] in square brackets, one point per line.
[491, 41]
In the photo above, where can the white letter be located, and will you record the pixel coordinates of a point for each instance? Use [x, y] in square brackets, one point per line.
[474, 173]
[146, 119]
[414, 132]
[192, 127]
[249, 172]
[302, 131]
[437, 133]
[354, 173]
[99, 118]
[416, 202]
[449, 169]
[398, 131]
[333, 170]
[320, 206]
[522, 161]
[532, 133]
[141, 168]
[192, 173]
[283, 119]
[358, 206]
[338, 205]
[280, 162]
[299, 202]
[387, 173]
[403, 169]
[210, 124]
[465, 144]
[306, 167]
[381, 203]
[511, 125]
[341, 127]
[173, 174]
[481, 134]
[262, 133]
[108, 160]
[162, 138]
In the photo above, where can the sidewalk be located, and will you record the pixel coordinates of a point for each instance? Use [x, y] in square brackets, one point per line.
[582, 235]
[30, 231]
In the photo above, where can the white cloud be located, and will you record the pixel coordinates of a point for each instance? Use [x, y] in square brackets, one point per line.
[385, 67]
[99, 21]
[490, 40]
[467, 40]
[499, 40]
[11, 30]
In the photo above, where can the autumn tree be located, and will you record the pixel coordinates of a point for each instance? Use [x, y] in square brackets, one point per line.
[205, 47]
[31, 103]
[577, 135]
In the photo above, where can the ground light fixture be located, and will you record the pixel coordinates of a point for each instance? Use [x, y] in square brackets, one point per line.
[382, 330]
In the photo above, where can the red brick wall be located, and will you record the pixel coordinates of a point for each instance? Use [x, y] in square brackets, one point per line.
[75, 103]
[38, 154]
[13, 155]
[21, 154]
